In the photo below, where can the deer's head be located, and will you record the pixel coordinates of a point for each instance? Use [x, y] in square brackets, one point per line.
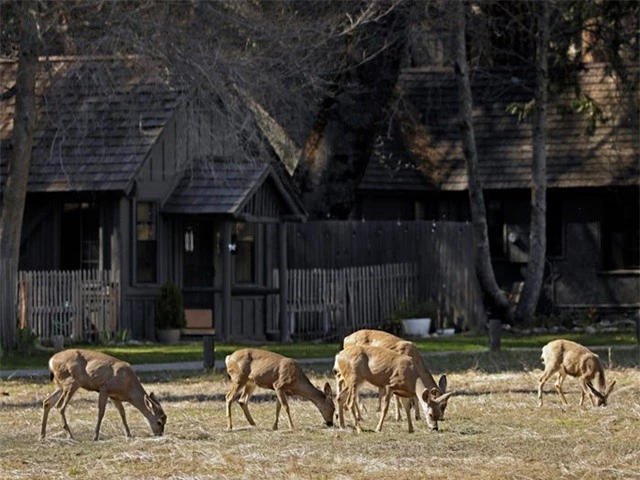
[156, 416]
[601, 398]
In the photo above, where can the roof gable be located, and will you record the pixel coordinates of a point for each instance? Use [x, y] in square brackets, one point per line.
[243, 190]
[98, 120]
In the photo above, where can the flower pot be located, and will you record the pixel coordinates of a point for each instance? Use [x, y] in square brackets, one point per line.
[169, 336]
[416, 327]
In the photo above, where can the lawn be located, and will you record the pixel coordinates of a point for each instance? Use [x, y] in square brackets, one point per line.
[494, 429]
[192, 351]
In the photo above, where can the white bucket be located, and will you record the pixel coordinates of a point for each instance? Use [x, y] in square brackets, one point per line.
[416, 327]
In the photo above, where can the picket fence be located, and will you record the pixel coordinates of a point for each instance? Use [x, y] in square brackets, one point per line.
[326, 303]
[78, 305]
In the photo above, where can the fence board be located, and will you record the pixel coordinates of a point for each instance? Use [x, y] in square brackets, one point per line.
[74, 304]
[442, 251]
[326, 303]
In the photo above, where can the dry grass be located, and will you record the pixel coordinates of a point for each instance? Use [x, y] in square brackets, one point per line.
[494, 430]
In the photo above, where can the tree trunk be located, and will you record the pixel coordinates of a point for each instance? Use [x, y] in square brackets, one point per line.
[338, 149]
[538, 237]
[15, 188]
[484, 269]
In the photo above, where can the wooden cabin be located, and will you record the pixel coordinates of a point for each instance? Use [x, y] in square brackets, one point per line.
[593, 174]
[119, 183]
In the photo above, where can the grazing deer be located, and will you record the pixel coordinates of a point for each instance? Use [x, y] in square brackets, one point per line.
[111, 378]
[570, 358]
[251, 367]
[380, 338]
[393, 372]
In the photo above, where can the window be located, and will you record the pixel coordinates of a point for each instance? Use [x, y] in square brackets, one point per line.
[146, 243]
[245, 253]
[621, 231]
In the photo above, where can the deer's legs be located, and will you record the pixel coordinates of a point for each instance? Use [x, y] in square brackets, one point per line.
[585, 391]
[102, 405]
[48, 402]
[229, 398]
[385, 407]
[559, 382]
[406, 402]
[341, 399]
[543, 379]
[282, 401]
[68, 392]
[120, 408]
[351, 402]
[243, 401]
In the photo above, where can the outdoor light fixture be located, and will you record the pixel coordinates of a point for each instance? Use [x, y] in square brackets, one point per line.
[188, 240]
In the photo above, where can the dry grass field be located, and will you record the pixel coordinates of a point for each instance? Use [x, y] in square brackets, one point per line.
[494, 430]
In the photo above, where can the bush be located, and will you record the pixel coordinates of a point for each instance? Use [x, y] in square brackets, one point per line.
[170, 308]
[25, 340]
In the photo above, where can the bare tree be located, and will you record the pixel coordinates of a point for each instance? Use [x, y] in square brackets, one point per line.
[13, 195]
[484, 269]
[538, 230]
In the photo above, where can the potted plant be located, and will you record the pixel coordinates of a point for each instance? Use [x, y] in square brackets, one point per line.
[170, 317]
[417, 317]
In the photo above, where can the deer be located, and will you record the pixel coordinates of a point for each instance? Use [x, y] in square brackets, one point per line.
[98, 372]
[394, 373]
[384, 339]
[571, 358]
[251, 367]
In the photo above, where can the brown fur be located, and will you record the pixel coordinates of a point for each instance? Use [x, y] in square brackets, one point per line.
[111, 378]
[251, 367]
[570, 358]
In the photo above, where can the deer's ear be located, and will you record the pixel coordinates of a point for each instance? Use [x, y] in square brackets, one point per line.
[426, 396]
[442, 383]
[443, 398]
[327, 389]
[609, 388]
[594, 391]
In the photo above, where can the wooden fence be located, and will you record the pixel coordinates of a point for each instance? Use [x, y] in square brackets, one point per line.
[443, 253]
[326, 303]
[78, 305]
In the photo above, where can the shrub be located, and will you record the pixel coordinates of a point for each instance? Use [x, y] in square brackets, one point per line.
[170, 308]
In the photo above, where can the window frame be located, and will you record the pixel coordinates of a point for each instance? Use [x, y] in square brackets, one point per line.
[136, 241]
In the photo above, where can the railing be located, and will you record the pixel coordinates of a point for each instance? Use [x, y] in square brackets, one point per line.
[79, 305]
[324, 303]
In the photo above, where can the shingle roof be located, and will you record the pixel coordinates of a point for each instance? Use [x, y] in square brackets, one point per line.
[98, 121]
[425, 151]
[222, 186]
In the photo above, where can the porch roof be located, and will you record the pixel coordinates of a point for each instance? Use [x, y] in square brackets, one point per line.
[424, 151]
[243, 190]
[99, 117]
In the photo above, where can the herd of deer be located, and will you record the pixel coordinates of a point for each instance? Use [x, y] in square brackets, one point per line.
[388, 362]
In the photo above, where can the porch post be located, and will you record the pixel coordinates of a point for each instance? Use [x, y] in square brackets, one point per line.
[285, 334]
[226, 281]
